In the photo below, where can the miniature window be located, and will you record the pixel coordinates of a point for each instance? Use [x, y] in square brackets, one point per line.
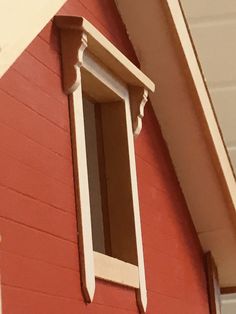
[107, 95]
[113, 230]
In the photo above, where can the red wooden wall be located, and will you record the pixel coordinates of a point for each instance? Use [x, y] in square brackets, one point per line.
[39, 257]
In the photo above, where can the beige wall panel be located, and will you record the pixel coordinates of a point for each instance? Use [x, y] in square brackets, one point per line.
[213, 28]
[208, 8]
[232, 154]
[217, 50]
[225, 107]
[228, 303]
[20, 22]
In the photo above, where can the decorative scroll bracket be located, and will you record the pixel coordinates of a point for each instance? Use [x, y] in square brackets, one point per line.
[138, 100]
[79, 35]
[73, 47]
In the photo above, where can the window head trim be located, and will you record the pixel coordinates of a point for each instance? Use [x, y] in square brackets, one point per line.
[103, 49]
[83, 46]
[87, 43]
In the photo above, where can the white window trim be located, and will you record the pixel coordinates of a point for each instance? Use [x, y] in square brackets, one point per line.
[115, 270]
[87, 53]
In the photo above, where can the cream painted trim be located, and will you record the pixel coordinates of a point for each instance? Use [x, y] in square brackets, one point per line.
[116, 271]
[138, 99]
[205, 102]
[104, 50]
[142, 292]
[20, 22]
[138, 96]
[82, 193]
[88, 54]
[104, 75]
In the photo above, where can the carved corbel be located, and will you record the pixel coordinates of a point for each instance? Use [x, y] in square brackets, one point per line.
[73, 45]
[138, 100]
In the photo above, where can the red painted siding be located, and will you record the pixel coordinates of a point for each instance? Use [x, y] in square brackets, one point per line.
[39, 256]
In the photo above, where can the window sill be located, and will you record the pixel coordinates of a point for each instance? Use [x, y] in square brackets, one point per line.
[117, 271]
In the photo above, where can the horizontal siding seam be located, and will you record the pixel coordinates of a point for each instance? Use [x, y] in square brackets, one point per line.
[48, 42]
[44, 64]
[38, 260]
[67, 184]
[38, 230]
[31, 109]
[41, 292]
[31, 139]
[115, 38]
[35, 199]
[66, 298]
[39, 87]
[167, 295]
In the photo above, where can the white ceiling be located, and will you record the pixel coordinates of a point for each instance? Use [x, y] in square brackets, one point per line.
[213, 27]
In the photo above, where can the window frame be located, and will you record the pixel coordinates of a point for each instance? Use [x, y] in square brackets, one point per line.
[214, 292]
[88, 58]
